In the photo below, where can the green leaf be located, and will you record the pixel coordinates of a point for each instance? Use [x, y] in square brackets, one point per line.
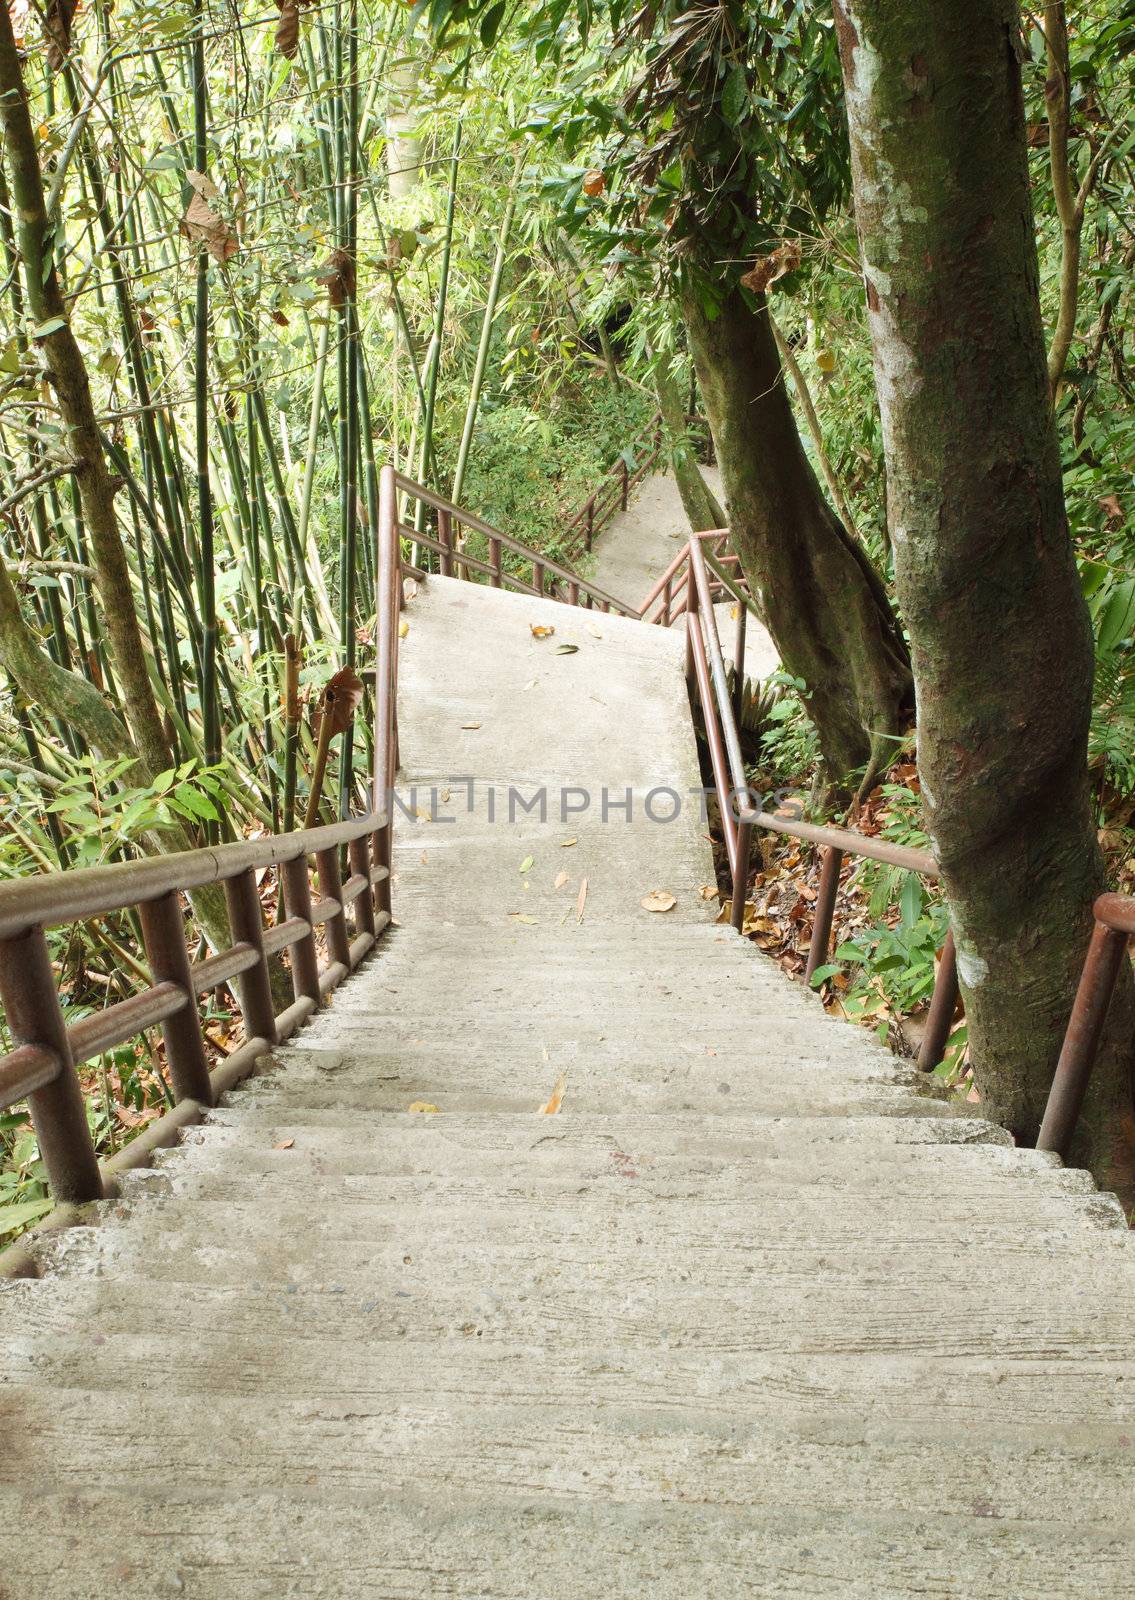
[566, 649]
[491, 21]
[822, 974]
[910, 901]
[13, 1217]
[735, 95]
[52, 325]
[527, 863]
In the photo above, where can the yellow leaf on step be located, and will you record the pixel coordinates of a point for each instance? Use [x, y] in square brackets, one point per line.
[556, 1100]
[284, 1144]
[423, 1105]
[539, 631]
[519, 916]
[561, 879]
[470, 724]
[659, 900]
[403, 629]
[566, 844]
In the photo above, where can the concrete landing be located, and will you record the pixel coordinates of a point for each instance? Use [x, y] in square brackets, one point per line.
[754, 1313]
[637, 546]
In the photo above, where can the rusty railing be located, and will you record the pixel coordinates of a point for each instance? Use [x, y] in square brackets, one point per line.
[41, 1068]
[1114, 926]
[549, 580]
[613, 491]
[692, 584]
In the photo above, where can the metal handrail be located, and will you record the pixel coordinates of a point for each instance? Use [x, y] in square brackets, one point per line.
[452, 517]
[1114, 925]
[54, 898]
[619, 490]
[706, 674]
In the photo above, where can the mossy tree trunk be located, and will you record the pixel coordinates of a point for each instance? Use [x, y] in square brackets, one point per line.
[1001, 643]
[825, 605]
[698, 500]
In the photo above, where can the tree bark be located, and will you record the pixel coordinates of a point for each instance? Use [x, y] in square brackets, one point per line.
[68, 376]
[826, 606]
[698, 500]
[1001, 643]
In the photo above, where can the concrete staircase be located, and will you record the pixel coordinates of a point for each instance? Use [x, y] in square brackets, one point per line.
[753, 1314]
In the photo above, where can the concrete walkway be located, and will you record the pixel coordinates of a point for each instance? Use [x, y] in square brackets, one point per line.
[637, 546]
[753, 1314]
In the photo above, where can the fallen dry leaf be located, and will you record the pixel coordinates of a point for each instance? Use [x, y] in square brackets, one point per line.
[566, 844]
[581, 902]
[470, 725]
[422, 1105]
[520, 916]
[540, 631]
[403, 629]
[658, 900]
[527, 864]
[594, 631]
[556, 1100]
[561, 879]
[531, 684]
[284, 1144]
[425, 857]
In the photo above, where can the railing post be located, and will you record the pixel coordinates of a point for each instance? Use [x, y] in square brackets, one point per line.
[590, 523]
[538, 576]
[364, 906]
[331, 888]
[739, 665]
[1082, 1040]
[383, 856]
[495, 562]
[163, 934]
[825, 911]
[741, 871]
[445, 537]
[626, 481]
[943, 1004]
[253, 987]
[573, 593]
[31, 1001]
[667, 601]
[304, 956]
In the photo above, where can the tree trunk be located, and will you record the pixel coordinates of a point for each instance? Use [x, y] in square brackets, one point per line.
[68, 377]
[826, 606]
[698, 499]
[1000, 637]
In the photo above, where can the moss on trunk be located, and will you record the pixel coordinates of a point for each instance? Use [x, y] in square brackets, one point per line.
[825, 605]
[1001, 643]
[698, 500]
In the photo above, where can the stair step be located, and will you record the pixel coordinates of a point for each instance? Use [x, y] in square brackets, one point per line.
[319, 1544]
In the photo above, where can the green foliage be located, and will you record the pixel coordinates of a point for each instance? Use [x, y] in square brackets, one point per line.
[790, 748]
[1111, 740]
[889, 966]
[100, 814]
